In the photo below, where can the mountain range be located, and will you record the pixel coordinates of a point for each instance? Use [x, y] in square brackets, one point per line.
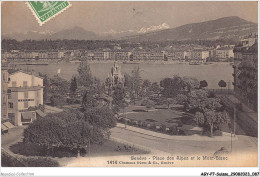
[224, 28]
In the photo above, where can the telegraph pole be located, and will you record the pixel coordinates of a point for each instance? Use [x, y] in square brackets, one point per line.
[235, 117]
[234, 123]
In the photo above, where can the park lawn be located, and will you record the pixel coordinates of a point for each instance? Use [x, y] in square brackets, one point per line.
[166, 117]
[130, 108]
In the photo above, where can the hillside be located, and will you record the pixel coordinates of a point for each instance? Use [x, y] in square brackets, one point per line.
[223, 28]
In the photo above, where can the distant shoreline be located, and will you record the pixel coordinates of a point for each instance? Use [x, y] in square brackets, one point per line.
[135, 62]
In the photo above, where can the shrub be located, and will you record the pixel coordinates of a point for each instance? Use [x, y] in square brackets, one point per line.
[181, 132]
[40, 162]
[10, 161]
[217, 133]
[140, 123]
[173, 130]
[28, 149]
[163, 128]
[128, 122]
[57, 100]
[153, 127]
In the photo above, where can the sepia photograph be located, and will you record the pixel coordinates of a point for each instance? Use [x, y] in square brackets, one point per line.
[129, 84]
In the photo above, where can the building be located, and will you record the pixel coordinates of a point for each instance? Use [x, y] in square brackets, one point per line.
[98, 55]
[121, 55]
[157, 55]
[199, 55]
[53, 55]
[24, 91]
[224, 53]
[141, 55]
[176, 55]
[116, 77]
[249, 40]
[4, 89]
[246, 74]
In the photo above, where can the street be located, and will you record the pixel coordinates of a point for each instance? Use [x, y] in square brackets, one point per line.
[178, 147]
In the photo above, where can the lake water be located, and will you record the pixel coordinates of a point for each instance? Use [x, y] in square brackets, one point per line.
[155, 72]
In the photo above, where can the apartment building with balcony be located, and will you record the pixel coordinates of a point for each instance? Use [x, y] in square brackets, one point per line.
[246, 73]
[223, 53]
[4, 89]
[199, 55]
[24, 91]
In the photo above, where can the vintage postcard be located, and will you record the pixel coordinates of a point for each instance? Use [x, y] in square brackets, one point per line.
[129, 84]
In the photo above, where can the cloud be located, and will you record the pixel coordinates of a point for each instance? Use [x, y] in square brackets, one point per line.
[154, 28]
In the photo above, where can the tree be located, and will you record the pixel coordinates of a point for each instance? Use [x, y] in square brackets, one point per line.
[191, 83]
[102, 117]
[203, 84]
[45, 131]
[181, 99]
[57, 100]
[58, 86]
[133, 84]
[170, 101]
[46, 89]
[85, 77]
[89, 98]
[136, 82]
[65, 129]
[194, 99]
[108, 84]
[172, 86]
[222, 83]
[118, 98]
[199, 118]
[73, 85]
[155, 88]
[145, 87]
[213, 119]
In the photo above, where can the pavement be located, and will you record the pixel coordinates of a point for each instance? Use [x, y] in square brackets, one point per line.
[50, 109]
[250, 113]
[183, 146]
[13, 136]
[246, 118]
[225, 137]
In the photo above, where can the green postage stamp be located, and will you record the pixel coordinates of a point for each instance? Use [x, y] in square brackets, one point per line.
[46, 10]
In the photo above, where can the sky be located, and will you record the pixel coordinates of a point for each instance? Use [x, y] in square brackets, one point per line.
[104, 17]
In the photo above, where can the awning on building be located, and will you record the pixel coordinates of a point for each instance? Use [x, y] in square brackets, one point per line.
[40, 113]
[8, 125]
[3, 128]
[28, 116]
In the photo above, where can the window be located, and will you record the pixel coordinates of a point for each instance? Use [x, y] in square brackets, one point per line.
[25, 94]
[24, 83]
[11, 117]
[14, 84]
[9, 96]
[10, 105]
[26, 104]
[3, 76]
